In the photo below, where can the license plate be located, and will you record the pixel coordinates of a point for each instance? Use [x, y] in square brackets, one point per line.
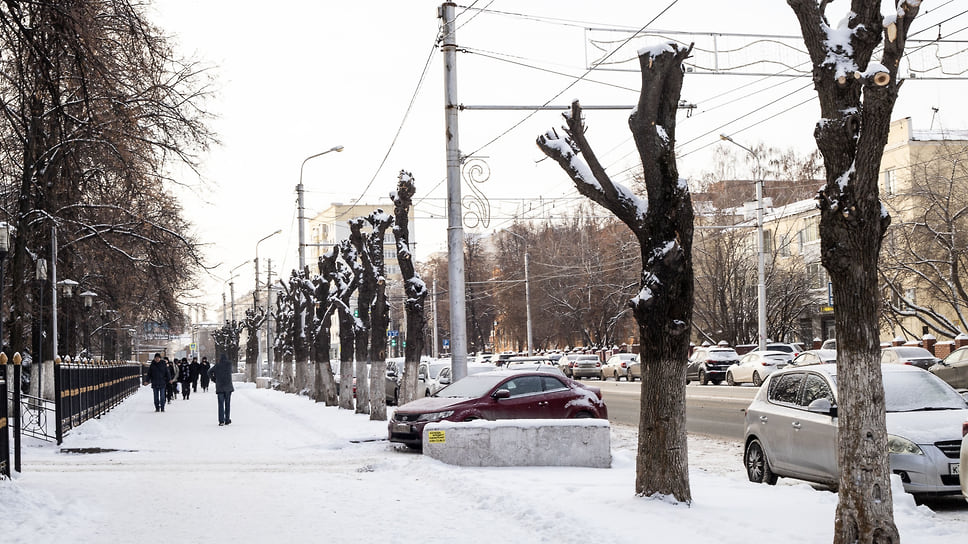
[956, 468]
[401, 427]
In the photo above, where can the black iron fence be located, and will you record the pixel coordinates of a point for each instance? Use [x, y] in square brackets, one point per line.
[82, 391]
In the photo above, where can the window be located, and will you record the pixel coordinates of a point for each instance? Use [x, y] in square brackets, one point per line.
[767, 241]
[786, 388]
[525, 385]
[784, 248]
[810, 231]
[817, 275]
[890, 182]
[910, 298]
[815, 387]
[552, 384]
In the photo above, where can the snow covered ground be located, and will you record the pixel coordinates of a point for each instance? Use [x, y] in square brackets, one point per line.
[288, 469]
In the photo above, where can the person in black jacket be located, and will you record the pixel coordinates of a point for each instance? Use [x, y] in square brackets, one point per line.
[159, 377]
[185, 377]
[193, 370]
[221, 374]
[172, 388]
[203, 371]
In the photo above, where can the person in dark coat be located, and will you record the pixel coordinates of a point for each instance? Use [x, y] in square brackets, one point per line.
[221, 374]
[185, 377]
[159, 377]
[193, 373]
[203, 371]
[172, 390]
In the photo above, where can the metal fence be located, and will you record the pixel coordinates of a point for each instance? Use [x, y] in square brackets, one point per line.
[4, 431]
[87, 390]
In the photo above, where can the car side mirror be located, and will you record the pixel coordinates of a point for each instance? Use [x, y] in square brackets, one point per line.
[501, 394]
[422, 376]
[823, 406]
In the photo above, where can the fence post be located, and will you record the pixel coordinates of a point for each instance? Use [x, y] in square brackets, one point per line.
[4, 431]
[58, 401]
[17, 359]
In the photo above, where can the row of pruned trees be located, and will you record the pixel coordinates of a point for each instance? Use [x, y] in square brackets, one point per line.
[311, 298]
[97, 107]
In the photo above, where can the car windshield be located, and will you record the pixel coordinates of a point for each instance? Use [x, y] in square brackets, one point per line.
[721, 354]
[913, 353]
[471, 386]
[435, 370]
[914, 391]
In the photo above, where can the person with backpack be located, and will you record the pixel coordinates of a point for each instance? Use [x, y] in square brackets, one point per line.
[221, 374]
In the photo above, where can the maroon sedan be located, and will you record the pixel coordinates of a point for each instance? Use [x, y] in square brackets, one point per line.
[498, 395]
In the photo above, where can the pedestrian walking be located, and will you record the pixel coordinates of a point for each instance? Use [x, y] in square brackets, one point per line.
[185, 377]
[159, 378]
[193, 369]
[172, 389]
[203, 371]
[221, 374]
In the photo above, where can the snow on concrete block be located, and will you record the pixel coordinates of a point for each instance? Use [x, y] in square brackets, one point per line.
[520, 442]
[263, 382]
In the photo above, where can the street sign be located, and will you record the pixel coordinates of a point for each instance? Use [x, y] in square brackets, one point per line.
[446, 343]
[193, 347]
[393, 333]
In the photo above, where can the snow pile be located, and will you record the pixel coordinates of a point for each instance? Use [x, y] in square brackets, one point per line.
[290, 469]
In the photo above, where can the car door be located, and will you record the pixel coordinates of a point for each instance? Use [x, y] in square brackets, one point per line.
[776, 420]
[815, 435]
[743, 372]
[888, 356]
[955, 369]
[555, 398]
[526, 393]
[692, 368]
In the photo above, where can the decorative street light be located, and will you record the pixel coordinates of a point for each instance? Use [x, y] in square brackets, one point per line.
[67, 288]
[88, 299]
[40, 274]
[5, 231]
[761, 256]
[301, 207]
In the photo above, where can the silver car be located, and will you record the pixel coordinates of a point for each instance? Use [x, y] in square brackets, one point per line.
[791, 428]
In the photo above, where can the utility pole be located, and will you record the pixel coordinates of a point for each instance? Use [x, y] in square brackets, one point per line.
[269, 315]
[527, 302]
[436, 340]
[455, 229]
[301, 207]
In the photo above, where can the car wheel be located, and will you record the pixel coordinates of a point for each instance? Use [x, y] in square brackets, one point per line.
[757, 381]
[729, 379]
[601, 376]
[427, 392]
[757, 466]
[615, 375]
[582, 415]
[702, 377]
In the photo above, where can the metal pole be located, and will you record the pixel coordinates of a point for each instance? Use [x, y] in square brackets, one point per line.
[761, 249]
[527, 302]
[225, 316]
[53, 300]
[301, 208]
[436, 350]
[232, 297]
[269, 316]
[455, 230]
[255, 294]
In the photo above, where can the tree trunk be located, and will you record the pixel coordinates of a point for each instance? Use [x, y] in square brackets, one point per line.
[379, 316]
[364, 298]
[856, 100]
[663, 226]
[413, 287]
[346, 341]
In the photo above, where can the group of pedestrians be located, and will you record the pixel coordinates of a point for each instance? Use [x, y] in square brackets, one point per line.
[166, 376]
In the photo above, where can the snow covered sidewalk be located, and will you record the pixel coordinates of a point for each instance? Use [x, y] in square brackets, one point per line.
[288, 469]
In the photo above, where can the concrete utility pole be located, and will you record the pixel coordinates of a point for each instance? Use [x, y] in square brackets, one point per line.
[269, 316]
[436, 340]
[455, 229]
[255, 294]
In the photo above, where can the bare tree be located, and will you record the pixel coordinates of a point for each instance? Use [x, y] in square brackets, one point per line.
[663, 226]
[364, 301]
[380, 221]
[324, 385]
[346, 281]
[857, 96]
[414, 288]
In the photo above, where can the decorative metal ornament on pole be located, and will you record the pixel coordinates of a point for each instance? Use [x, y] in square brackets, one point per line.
[761, 249]
[301, 208]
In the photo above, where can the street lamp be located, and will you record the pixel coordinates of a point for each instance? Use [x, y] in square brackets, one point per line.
[88, 299]
[255, 296]
[761, 257]
[232, 277]
[301, 211]
[40, 274]
[5, 230]
[67, 287]
[527, 290]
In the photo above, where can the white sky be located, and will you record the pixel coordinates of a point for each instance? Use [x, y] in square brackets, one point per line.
[301, 77]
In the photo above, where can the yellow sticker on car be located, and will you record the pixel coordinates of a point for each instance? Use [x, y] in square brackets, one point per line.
[436, 437]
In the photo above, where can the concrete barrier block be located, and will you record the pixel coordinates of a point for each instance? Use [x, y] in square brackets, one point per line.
[263, 382]
[520, 442]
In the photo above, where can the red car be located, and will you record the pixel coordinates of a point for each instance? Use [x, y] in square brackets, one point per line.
[498, 395]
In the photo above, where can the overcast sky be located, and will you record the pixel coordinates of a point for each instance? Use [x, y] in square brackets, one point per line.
[294, 78]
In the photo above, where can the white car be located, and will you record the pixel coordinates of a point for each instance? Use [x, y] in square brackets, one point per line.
[617, 366]
[427, 374]
[755, 366]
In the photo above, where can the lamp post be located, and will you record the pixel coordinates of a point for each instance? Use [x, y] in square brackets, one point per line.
[255, 296]
[527, 290]
[87, 297]
[232, 277]
[761, 256]
[40, 274]
[67, 287]
[301, 212]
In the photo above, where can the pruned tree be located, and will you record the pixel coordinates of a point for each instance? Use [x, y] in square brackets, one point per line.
[663, 226]
[857, 96]
[380, 221]
[364, 300]
[345, 281]
[414, 288]
[252, 322]
[301, 291]
[324, 385]
[281, 345]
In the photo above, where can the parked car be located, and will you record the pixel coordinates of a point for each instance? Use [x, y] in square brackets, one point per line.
[830, 343]
[793, 349]
[499, 394]
[530, 361]
[755, 366]
[815, 357]
[964, 460]
[446, 376]
[581, 365]
[709, 364]
[953, 368]
[427, 374]
[617, 366]
[908, 355]
[392, 383]
[791, 428]
[535, 367]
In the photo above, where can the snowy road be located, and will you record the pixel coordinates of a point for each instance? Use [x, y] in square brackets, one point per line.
[289, 469]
